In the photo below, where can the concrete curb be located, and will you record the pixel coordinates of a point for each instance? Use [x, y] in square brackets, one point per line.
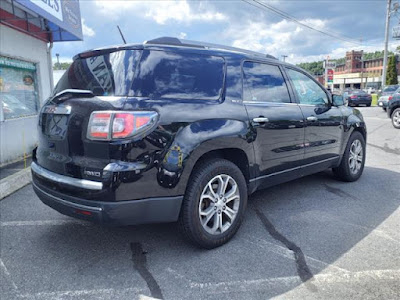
[14, 182]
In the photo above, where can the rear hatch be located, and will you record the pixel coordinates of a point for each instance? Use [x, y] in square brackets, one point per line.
[96, 81]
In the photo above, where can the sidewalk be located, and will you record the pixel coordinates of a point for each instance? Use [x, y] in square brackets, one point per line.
[14, 167]
[14, 176]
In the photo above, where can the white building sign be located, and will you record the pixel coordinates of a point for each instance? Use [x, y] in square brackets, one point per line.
[53, 7]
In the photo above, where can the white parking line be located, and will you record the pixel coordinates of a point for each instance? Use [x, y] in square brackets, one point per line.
[285, 252]
[81, 294]
[8, 275]
[266, 283]
[44, 223]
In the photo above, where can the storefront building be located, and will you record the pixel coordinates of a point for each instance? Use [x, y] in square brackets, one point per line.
[359, 73]
[28, 29]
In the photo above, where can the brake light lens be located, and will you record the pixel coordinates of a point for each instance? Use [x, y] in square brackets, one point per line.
[353, 97]
[100, 125]
[108, 125]
[390, 98]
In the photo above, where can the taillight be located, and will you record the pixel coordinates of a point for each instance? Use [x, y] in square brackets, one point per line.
[390, 98]
[353, 97]
[108, 125]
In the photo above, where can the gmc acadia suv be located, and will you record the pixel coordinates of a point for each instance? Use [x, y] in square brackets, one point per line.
[178, 130]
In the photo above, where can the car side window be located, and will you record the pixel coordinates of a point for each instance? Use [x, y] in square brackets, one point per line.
[264, 83]
[307, 90]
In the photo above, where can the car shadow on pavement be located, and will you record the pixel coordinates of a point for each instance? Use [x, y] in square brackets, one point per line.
[291, 233]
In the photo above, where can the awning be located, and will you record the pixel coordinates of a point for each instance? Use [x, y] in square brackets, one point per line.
[52, 20]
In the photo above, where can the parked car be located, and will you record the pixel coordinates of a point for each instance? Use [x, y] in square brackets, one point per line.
[174, 130]
[13, 107]
[358, 97]
[372, 87]
[393, 110]
[386, 94]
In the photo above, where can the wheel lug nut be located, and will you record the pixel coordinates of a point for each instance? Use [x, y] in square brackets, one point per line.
[215, 207]
[224, 200]
[219, 211]
[224, 207]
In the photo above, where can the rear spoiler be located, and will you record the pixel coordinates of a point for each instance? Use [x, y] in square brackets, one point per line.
[102, 51]
[69, 93]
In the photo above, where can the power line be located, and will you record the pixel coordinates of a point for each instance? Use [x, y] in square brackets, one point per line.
[293, 19]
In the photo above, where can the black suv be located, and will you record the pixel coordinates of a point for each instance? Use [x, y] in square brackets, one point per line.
[393, 109]
[178, 130]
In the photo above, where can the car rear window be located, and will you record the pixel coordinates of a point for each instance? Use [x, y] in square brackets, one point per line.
[110, 74]
[390, 89]
[175, 75]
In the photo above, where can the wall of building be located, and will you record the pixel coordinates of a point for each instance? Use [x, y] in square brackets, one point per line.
[19, 136]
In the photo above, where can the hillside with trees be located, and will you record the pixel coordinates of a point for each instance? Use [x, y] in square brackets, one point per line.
[316, 68]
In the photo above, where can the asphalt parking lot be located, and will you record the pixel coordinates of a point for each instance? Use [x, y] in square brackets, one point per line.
[313, 238]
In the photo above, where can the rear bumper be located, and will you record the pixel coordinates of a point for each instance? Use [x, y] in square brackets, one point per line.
[383, 103]
[150, 210]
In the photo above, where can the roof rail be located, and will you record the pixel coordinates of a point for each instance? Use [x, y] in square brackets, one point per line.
[187, 43]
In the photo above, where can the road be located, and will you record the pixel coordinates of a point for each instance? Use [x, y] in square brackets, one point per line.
[313, 238]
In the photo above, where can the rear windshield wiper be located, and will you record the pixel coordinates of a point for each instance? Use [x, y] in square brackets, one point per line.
[69, 93]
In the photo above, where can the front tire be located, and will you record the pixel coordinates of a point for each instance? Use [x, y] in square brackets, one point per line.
[396, 118]
[214, 203]
[353, 160]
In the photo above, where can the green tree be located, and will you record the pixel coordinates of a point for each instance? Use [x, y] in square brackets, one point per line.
[314, 68]
[391, 73]
[61, 66]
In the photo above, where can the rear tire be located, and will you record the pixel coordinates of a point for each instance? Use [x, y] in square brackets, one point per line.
[353, 160]
[396, 118]
[368, 105]
[214, 203]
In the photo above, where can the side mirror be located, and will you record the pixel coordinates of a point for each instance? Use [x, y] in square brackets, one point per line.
[337, 100]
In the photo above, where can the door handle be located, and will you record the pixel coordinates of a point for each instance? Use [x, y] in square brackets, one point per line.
[312, 119]
[260, 120]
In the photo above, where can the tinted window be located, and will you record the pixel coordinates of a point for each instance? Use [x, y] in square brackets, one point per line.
[179, 76]
[265, 83]
[105, 75]
[307, 90]
[359, 92]
[391, 88]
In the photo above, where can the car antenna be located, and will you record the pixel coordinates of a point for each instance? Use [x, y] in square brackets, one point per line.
[120, 32]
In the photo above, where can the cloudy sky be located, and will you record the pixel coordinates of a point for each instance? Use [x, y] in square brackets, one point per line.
[237, 23]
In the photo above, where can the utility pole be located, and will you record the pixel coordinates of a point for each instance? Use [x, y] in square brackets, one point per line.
[326, 71]
[58, 61]
[284, 57]
[362, 69]
[385, 53]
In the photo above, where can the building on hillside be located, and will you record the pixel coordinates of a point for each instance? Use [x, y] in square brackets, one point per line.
[358, 73]
[28, 29]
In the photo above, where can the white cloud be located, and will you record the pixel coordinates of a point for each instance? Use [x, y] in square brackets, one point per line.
[291, 39]
[182, 35]
[279, 38]
[87, 31]
[160, 11]
[339, 52]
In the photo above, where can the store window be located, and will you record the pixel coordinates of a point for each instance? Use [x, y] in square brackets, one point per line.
[19, 95]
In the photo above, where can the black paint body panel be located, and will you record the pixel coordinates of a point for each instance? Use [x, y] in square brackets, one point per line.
[159, 165]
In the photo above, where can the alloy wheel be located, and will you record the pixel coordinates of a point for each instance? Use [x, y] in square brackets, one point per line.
[219, 204]
[396, 118]
[356, 156]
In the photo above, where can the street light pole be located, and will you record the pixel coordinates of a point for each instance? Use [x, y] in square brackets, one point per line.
[385, 53]
[284, 57]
